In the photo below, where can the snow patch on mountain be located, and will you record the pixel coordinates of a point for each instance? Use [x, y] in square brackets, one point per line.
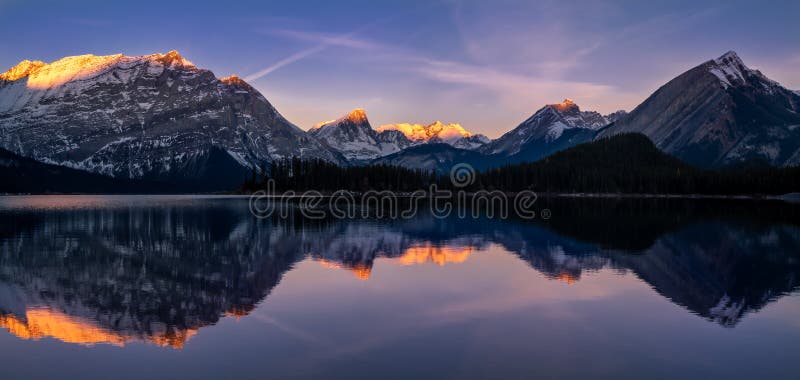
[731, 71]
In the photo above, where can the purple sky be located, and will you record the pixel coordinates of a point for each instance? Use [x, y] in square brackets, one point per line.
[485, 64]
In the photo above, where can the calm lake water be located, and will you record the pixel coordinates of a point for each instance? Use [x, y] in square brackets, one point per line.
[195, 287]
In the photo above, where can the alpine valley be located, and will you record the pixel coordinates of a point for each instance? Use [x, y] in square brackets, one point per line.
[160, 118]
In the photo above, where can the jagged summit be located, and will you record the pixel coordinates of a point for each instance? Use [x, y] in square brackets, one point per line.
[22, 70]
[732, 71]
[353, 137]
[729, 68]
[551, 128]
[566, 105]
[357, 117]
[233, 79]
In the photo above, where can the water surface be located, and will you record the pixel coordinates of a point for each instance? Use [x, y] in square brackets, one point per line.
[194, 287]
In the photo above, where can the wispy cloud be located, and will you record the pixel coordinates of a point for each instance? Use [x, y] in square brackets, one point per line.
[321, 41]
[517, 88]
[286, 61]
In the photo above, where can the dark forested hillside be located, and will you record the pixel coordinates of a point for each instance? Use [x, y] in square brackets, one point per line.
[321, 175]
[627, 163]
[631, 163]
[24, 175]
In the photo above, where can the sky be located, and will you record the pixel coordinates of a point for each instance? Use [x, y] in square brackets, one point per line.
[487, 65]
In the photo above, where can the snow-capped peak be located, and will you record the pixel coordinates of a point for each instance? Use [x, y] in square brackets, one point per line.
[424, 133]
[21, 70]
[232, 79]
[357, 116]
[566, 105]
[729, 68]
[81, 67]
[729, 58]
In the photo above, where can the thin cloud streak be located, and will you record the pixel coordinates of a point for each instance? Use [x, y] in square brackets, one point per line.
[323, 42]
[286, 61]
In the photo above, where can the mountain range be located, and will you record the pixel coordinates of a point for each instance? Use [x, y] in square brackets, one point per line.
[161, 118]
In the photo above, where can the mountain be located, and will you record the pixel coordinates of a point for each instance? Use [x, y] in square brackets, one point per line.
[437, 132]
[718, 114]
[552, 128]
[141, 117]
[353, 137]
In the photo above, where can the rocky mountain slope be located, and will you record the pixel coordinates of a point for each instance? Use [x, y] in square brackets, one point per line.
[720, 113]
[552, 128]
[141, 117]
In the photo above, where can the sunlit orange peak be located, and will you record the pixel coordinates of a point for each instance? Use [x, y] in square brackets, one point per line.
[232, 79]
[21, 70]
[361, 270]
[567, 103]
[437, 255]
[419, 132]
[42, 75]
[43, 323]
[40, 323]
[567, 278]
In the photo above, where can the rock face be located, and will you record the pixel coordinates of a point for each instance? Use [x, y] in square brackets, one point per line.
[720, 113]
[552, 128]
[141, 117]
[353, 137]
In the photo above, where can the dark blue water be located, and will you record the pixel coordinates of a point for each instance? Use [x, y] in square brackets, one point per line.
[195, 287]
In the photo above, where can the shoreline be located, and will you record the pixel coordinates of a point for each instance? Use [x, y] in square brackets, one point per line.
[791, 197]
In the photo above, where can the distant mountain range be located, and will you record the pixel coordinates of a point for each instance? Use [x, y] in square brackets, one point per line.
[161, 118]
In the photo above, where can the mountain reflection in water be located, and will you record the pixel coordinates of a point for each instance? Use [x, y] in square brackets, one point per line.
[117, 270]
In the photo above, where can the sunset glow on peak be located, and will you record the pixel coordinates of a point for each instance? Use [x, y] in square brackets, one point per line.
[565, 104]
[419, 132]
[41, 75]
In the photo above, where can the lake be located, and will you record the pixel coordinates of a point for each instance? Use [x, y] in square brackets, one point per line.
[165, 287]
